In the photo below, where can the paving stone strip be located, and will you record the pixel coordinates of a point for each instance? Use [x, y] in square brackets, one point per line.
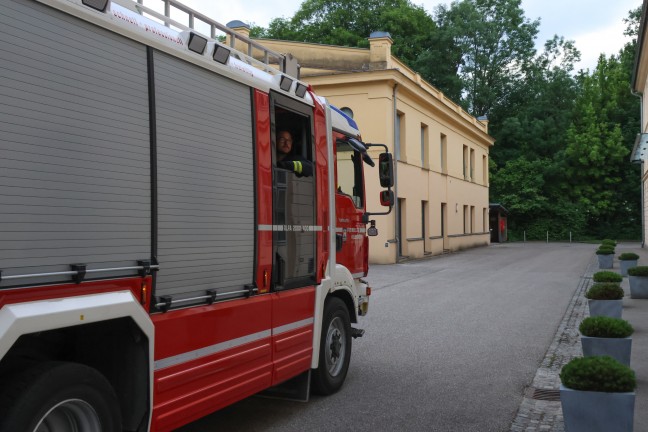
[546, 415]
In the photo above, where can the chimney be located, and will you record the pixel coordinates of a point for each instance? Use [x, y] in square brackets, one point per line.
[380, 50]
[241, 28]
[484, 121]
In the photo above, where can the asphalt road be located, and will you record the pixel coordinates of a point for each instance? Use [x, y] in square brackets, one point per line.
[451, 343]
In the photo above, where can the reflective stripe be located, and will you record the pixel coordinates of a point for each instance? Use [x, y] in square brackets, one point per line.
[298, 167]
[351, 230]
[292, 326]
[281, 228]
[222, 346]
[208, 350]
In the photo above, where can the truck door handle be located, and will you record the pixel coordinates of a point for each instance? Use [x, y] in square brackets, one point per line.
[339, 239]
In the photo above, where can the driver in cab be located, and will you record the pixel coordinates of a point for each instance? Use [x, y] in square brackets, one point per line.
[288, 160]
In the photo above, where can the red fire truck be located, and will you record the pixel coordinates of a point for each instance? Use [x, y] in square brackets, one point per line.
[156, 264]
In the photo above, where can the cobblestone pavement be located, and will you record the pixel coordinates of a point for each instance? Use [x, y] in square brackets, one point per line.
[540, 409]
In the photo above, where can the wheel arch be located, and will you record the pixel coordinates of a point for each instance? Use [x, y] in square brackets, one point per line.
[342, 289]
[345, 295]
[109, 332]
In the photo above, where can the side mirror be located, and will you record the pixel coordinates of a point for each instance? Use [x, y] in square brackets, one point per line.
[372, 231]
[386, 198]
[386, 170]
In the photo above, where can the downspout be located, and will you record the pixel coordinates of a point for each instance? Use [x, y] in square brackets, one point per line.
[641, 126]
[397, 220]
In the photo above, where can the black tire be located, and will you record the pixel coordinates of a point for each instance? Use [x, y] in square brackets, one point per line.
[59, 396]
[335, 348]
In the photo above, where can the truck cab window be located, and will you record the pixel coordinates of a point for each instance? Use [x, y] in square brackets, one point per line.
[294, 237]
[349, 173]
[293, 143]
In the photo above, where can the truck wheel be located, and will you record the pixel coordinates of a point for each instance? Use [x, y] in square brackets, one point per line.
[335, 348]
[58, 396]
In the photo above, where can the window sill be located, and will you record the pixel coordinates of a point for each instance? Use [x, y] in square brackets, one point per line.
[468, 234]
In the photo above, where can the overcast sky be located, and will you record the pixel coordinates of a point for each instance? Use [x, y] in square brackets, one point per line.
[596, 25]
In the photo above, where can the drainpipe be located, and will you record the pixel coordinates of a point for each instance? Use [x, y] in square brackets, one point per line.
[643, 222]
[396, 206]
[641, 126]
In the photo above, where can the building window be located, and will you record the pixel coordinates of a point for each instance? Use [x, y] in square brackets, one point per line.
[348, 111]
[443, 222]
[443, 144]
[465, 162]
[425, 147]
[472, 165]
[400, 136]
[472, 219]
[402, 227]
[485, 221]
[424, 229]
[465, 219]
[485, 168]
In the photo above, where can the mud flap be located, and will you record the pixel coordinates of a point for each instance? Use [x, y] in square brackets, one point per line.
[296, 389]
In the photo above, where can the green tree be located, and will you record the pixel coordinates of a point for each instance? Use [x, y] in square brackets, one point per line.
[534, 119]
[490, 43]
[350, 22]
[583, 128]
[598, 143]
[525, 188]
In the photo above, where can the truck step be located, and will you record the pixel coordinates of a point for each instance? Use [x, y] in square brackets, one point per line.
[356, 333]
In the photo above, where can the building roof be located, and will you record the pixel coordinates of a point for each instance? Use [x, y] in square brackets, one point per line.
[498, 207]
[640, 59]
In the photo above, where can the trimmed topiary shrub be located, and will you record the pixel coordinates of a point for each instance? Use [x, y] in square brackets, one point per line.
[605, 291]
[607, 276]
[638, 271]
[605, 327]
[604, 251]
[601, 374]
[628, 256]
[608, 242]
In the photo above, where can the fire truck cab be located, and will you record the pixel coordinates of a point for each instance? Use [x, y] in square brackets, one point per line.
[159, 259]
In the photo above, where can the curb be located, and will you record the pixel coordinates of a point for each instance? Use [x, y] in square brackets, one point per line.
[545, 413]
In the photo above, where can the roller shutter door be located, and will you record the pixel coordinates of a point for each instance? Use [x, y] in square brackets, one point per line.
[74, 145]
[205, 181]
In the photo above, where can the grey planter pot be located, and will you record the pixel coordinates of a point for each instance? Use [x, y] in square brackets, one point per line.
[608, 308]
[624, 265]
[638, 287]
[605, 261]
[617, 348]
[585, 411]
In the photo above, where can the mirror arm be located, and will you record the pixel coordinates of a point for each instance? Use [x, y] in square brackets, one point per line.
[377, 145]
[367, 215]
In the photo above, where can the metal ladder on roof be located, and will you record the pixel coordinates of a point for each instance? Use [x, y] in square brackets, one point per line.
[284, 63]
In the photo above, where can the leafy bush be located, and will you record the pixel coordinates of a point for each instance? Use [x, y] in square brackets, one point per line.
[628, 256]
[605, 327]
[604, 251]
[602, 374]
[607, 276]
[608, 242]
[638, 271]
[605, 291]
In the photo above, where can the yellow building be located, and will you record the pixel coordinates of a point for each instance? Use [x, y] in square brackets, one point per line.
[640, 87]
[441, 151]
